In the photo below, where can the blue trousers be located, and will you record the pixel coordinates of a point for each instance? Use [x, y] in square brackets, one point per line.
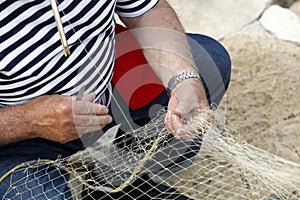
[214, 65]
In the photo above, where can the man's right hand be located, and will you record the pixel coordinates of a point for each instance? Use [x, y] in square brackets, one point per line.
[63, 118]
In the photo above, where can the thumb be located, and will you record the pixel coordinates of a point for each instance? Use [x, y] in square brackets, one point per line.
[179, 110]
[175, 106]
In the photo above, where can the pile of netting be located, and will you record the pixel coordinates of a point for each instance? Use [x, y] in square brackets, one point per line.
[149, 163]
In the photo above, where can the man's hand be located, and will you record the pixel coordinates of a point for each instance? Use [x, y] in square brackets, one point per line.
[187, 97]
[63, 118]
[167, 50]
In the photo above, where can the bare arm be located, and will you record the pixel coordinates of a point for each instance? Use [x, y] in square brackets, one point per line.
[54, 117]
[168, 52]
[14, 124]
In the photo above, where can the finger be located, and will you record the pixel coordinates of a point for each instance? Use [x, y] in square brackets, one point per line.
[83, 130]
[92, 120]
[89, 97]
[168, 122]
[201, 118]
[181, 130]
[198, 122]
[173, 123]
[179, 110]
[88, 108]
[188, 133]
[177, 125]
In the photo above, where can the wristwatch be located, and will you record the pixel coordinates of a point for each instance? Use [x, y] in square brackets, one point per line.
[181, 77]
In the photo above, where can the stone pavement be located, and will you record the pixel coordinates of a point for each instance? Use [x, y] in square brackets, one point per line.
[221, 18]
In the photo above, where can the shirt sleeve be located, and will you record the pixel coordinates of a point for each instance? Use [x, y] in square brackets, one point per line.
[134, 8]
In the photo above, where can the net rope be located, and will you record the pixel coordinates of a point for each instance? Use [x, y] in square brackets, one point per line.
[216, 165]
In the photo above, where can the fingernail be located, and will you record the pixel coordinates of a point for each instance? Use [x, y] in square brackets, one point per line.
[110, 119]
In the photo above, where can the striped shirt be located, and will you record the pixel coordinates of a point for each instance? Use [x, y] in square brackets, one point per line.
[32, 62]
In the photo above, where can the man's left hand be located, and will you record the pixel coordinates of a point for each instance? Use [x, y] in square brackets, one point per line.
[187, 97]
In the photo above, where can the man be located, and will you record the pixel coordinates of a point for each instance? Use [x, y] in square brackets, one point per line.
[42, 114]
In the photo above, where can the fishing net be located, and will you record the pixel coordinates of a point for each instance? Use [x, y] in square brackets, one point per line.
[149, 163]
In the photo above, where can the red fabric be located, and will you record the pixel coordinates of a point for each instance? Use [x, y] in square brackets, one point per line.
[134, 79]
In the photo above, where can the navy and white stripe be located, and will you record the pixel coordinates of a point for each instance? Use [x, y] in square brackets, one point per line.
[134, 8]
[32, 62]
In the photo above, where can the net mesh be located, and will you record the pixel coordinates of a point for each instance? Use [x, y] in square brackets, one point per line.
[148, 163]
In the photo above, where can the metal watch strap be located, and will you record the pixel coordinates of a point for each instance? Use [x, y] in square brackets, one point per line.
[181, 77]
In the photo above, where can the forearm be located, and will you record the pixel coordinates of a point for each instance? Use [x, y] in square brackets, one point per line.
[14, 124]
[53, 117]
[165, 44]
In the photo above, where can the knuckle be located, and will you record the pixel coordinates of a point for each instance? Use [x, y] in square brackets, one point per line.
[82, 106]
[103, 109]
[67, 122]
[65, 103]
[65, 108]
[63, 139]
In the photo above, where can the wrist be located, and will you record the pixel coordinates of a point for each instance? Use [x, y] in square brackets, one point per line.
[26, 120]
[186, 75]
[14, 124]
